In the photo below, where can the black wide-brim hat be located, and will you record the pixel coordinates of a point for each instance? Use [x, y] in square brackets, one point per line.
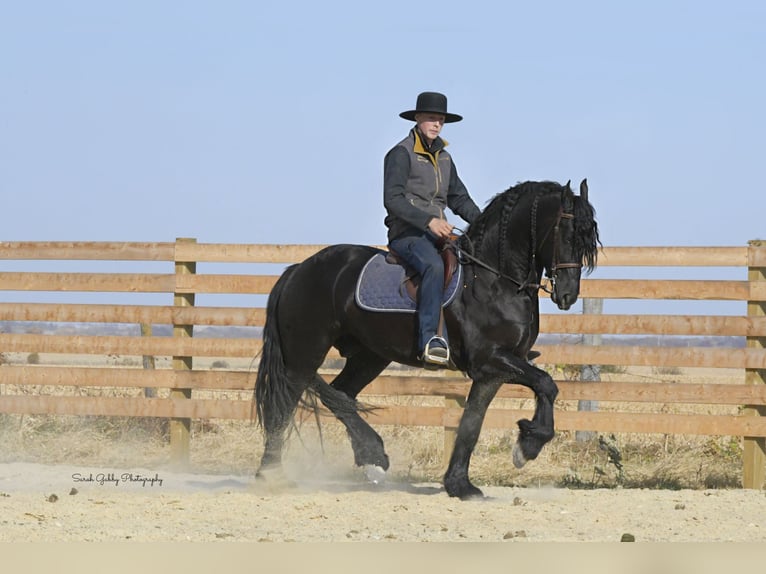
[431, 102]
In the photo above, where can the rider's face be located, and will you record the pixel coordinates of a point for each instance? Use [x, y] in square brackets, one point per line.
[430, 125]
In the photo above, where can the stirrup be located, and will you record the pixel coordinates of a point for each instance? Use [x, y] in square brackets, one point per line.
[436, 355]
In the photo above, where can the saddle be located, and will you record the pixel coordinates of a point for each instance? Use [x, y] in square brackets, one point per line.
[385, 284]
[449, 259]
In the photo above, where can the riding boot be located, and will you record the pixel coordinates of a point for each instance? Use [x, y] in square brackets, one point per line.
[436, 351]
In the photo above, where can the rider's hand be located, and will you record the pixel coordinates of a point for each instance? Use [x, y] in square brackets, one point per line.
[440, 227]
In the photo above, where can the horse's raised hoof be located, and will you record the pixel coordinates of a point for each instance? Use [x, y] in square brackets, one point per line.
[530, 442]
[519, 460]
[375, 474]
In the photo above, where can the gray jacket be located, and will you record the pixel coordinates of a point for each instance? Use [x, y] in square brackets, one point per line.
[419, 183]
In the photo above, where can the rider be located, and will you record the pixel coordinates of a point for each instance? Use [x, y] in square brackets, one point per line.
[419, 182]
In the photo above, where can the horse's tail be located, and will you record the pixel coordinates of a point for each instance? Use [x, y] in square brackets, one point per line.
[275, 398]
[273, 402]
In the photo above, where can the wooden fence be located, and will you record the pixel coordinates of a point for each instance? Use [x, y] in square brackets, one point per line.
[186, 374]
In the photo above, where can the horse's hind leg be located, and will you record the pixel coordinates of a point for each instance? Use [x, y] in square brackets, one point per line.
[360, 369]
[366, 443]
[275, 424]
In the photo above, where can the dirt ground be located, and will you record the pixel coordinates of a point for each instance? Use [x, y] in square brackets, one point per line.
[67, 503]
[120, 490]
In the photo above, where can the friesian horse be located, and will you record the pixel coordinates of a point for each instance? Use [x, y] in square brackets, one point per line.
[531, 228]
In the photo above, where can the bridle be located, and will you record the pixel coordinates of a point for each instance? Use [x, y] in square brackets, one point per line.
[551, 273]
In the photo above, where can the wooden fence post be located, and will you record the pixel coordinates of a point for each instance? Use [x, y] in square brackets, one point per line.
[148, 360]
[589, 372]
[754, 456]
[180, 428]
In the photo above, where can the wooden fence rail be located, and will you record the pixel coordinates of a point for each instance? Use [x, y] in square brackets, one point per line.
[56, 328]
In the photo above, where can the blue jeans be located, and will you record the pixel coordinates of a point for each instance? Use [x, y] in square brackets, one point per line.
[420, 253]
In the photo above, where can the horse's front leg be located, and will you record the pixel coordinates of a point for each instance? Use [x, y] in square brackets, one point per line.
[535, 433]
[456, 481]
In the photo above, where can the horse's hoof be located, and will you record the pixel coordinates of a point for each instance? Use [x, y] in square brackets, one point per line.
[375, 474]
[519, 460]
[274, 479]
[463, 490]
[472, 494]
[469, 492]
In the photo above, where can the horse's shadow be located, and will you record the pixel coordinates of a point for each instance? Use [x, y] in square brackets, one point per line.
[403, 487]
[333, 486]
[400, 487]
[328, 486]
[224, 484]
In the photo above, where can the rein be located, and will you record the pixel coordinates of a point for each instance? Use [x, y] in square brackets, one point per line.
[464, 257]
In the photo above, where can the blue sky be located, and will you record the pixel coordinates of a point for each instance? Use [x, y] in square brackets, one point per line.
[267, 122]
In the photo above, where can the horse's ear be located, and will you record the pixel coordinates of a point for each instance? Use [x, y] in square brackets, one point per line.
[568, 186]
[584, 189]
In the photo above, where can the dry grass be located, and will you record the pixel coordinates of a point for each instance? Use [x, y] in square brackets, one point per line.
[416, 453]
[234, 447]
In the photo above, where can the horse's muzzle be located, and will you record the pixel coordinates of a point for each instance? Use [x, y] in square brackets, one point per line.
[565, 300]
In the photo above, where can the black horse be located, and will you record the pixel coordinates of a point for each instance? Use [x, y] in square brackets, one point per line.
[492, 323]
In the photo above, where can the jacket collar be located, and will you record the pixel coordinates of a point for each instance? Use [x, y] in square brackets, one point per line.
[420, 146]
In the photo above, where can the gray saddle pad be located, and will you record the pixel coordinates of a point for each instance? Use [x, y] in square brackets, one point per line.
[380, 287]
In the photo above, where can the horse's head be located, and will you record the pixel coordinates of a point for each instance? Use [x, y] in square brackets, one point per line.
[537, 227]
[568, 242]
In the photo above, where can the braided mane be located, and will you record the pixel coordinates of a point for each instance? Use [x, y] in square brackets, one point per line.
[494, 224]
